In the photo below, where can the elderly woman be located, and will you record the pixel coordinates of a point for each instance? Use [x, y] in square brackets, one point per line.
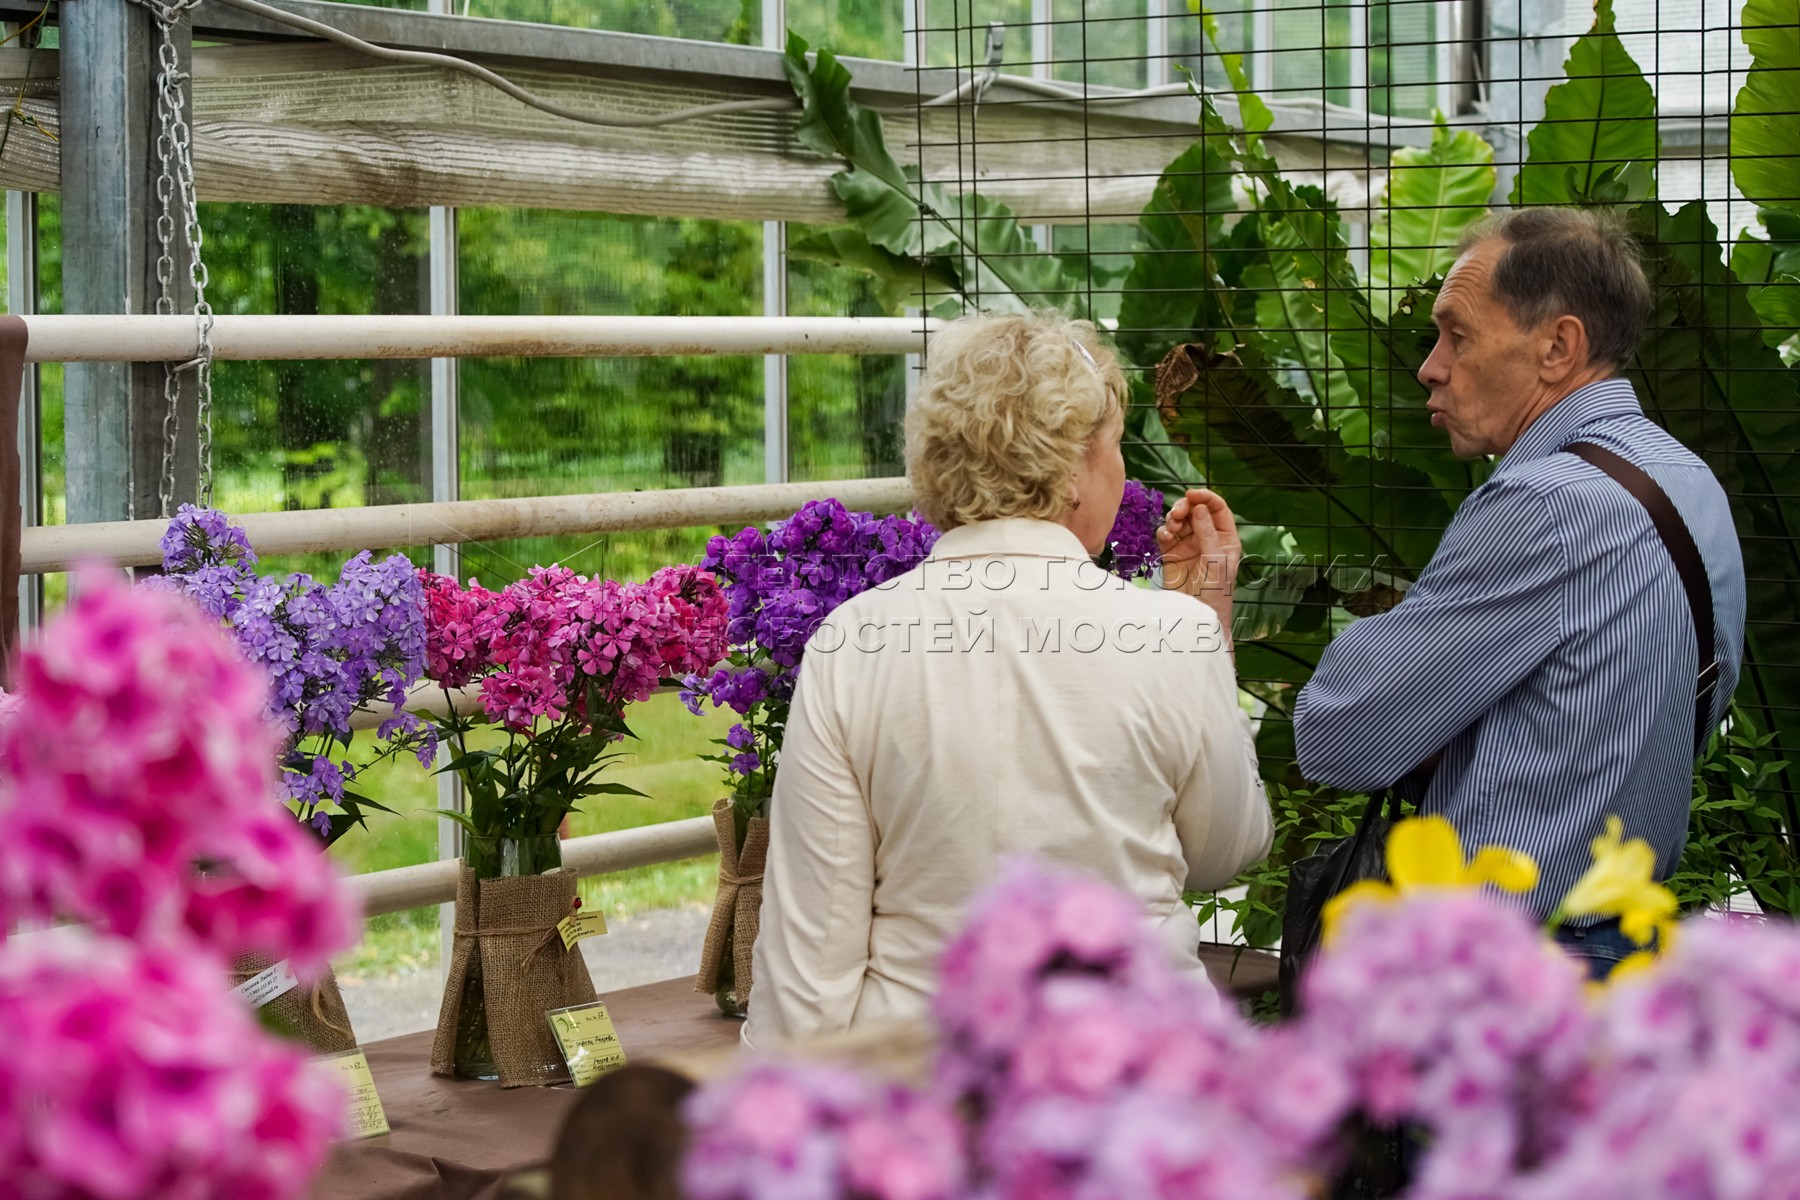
[1005, 696]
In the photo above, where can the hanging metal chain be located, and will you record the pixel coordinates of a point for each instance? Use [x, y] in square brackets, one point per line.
[178, 204]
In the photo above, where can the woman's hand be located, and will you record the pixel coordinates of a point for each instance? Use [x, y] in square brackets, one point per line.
[1201, 550]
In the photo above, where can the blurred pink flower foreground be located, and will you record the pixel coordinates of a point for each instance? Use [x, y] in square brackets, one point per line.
[136, 773]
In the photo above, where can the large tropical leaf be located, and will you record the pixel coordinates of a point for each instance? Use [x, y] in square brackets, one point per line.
[1601, 118]
[904, 280]
[1765, 144]
[1432, 195]
[1705, 373]
[1302, 254]
[995, 262]
[1169, 293]
[1257, 441]
[1771, 268]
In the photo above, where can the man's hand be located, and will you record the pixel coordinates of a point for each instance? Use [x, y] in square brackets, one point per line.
[1201, 551]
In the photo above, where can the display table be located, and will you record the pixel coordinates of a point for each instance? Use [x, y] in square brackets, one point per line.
[457, 1139]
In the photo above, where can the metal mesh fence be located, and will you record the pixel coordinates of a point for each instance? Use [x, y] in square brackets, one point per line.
[1285, 260]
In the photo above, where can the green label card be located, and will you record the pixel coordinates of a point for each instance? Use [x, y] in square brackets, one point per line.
[589, 922]
[589, 1043]
[364, 1115]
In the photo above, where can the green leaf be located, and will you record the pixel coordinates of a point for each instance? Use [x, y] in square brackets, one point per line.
[1253, 114]
[1302, 253]
[1265, 451]
[876, 194]
[613, 789]
[903, 279]
[1772, 269]
[1432, 196]
[1603, 116]
[463, 819]
[1168, 294]
[1765, 159]
[995, 263]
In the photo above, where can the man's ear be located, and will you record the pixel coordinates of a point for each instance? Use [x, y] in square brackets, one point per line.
[1565, 349]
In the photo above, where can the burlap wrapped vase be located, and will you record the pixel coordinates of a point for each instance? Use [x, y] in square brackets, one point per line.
[311, 1014]
[506, 934]
[737, 908]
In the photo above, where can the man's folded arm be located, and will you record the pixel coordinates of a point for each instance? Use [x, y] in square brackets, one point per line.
[1393, 689]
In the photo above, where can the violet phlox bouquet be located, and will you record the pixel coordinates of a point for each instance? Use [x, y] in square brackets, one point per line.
[780, 586]
[784, 583]
[136, 771]
[328, 650]
[557, 658]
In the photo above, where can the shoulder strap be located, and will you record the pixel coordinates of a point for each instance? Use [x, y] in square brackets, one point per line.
[1680, 543]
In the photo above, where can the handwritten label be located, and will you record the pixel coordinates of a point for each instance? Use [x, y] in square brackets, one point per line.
[589, 922]
[267, 985]
[364, 1117]
[589, 1043]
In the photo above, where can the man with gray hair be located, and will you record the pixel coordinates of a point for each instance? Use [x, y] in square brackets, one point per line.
[1542, 671]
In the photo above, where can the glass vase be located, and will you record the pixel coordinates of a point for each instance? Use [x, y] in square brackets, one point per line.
[493, 858]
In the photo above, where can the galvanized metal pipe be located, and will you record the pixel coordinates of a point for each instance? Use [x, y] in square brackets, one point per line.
[401, 888]
[53, 548]
[171, 338]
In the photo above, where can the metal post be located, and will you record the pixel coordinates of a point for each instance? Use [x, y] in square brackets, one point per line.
[775, 372]
[113, 412]
[446, 484]
[21, 298]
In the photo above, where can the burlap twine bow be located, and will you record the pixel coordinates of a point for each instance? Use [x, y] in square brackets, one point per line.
[315, 1014]
[737, 908]
[506, 930]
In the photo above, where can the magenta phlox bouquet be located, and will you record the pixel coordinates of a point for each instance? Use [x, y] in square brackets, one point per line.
[557, 658]
[136, 768]
[328, 650]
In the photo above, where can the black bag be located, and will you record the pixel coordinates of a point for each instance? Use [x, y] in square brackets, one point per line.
[1319, 876]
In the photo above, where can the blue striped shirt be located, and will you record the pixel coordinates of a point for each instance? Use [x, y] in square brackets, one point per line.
[1547, 650]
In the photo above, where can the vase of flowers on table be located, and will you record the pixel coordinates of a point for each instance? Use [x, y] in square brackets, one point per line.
[327, 650]
[781, 585]
[552, 661]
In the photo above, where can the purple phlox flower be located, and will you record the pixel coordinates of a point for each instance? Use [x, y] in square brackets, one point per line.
[1133, 536]
[745, 764]
[740, 738]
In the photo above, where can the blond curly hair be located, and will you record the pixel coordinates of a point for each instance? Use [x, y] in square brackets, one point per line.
[1007, 408]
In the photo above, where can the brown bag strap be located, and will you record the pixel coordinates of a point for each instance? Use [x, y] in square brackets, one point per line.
[1680, 543]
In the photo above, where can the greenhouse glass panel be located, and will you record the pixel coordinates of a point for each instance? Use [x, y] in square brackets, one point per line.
[845, 412]
[701, 20]
[563, 426]
[860, 28]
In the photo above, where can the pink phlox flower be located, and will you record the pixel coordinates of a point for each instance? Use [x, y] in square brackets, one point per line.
[138, 757]
[136, 1073]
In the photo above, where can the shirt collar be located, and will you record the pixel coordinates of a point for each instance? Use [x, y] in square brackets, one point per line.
[1558, 425]
[1013, 535]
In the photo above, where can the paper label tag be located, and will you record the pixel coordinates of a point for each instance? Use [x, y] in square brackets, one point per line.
[267, 985]
[364, 1117]
[589, 1043]
[589, 922]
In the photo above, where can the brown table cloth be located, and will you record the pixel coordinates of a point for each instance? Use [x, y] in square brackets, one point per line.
[457, 1139]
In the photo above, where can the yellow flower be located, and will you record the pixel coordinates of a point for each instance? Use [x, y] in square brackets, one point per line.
[1620, 884]
[1424, 852]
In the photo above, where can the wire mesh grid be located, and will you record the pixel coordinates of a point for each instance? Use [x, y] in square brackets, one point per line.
[1279, 258]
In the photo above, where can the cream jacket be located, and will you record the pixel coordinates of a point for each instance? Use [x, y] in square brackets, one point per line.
[1006, 696]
